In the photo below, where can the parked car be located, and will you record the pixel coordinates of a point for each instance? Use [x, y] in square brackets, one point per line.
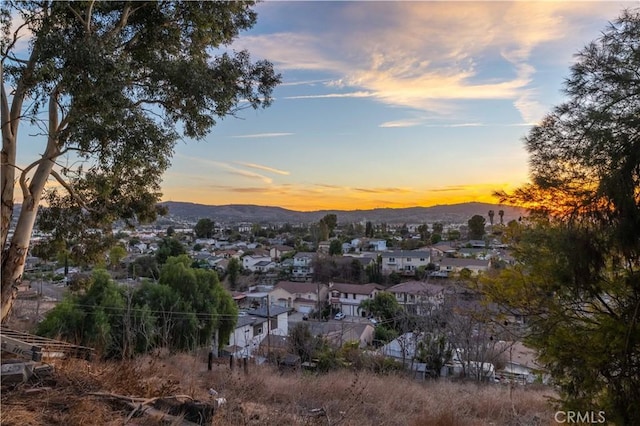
[373, 321]
[340, 316]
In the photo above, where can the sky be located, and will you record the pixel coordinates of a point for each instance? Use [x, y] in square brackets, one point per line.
[390, 104]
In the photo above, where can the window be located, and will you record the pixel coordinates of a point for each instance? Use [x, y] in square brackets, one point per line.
[408, 259]
[392, 260]
[422, 259]
[354, 296]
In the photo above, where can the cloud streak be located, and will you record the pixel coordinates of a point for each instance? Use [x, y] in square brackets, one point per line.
[264, 168]
[262, 135]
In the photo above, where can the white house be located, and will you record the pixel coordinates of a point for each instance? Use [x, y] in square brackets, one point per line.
[249, 262]
[253, 326]
[302, 266]
[301, 296]
[416, 296]
[277, 251]
[347, 297]
[404, 262]
[453, 265]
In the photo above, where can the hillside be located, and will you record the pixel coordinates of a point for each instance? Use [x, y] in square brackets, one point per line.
[451, 213]
[265, 396]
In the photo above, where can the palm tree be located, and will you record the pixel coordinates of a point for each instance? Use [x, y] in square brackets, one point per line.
[491, 215]
[501, 214]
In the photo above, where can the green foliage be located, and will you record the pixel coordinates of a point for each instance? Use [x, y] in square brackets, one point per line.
[145, 266]
[424, 232]
[169, 247]
[368, 229]
[233, 271]
[577, 277]
[476, 227]
[383, 306]
[437, 228]
[115, 85]
[116, 254]
[330, 221]
[394, 278]
[205, 228]
[434, 351]
[453, 235]
[180, 312]
[335, 248]
[384, 334]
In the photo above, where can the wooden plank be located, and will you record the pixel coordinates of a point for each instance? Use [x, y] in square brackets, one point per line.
[20, 348]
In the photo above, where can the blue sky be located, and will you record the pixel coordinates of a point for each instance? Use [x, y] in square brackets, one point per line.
[390, 104]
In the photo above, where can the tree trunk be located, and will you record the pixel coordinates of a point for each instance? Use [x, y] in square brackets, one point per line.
[14, 256]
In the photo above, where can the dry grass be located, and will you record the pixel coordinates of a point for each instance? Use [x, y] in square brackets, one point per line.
[267, 397]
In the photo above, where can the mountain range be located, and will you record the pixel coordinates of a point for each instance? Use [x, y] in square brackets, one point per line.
[446, 213]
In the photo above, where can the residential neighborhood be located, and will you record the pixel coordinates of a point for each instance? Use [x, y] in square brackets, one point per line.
[333, 287]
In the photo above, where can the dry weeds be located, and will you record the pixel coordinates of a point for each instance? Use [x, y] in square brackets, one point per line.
[266, 396]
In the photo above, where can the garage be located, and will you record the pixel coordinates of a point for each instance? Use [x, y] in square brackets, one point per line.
[305, 309]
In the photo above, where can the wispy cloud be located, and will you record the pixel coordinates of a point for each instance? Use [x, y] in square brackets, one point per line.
[244, 173]
[334, 95]
[329, 186]
[304, 82]
[384, 190]
[455, 125]
[451, 188]
[263, 135]
[265, 168]
[401, 123]
[412, 58]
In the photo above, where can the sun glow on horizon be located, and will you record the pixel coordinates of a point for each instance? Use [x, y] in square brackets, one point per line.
[330, 197]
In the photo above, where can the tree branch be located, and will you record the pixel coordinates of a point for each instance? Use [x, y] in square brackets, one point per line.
[77, 15]
[70, 190]
[87, 25]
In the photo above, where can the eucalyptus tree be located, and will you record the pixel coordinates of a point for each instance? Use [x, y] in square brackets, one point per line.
[110, 87]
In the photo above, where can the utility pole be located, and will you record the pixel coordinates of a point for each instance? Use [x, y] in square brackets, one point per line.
[268, 330]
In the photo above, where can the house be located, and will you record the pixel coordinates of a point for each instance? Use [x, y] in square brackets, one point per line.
[404, 262]
[304, 297]
[253, 326]
[405, 349]
[347, 297]
[461, 366]
[368, 244]
[442, 249]
[264, 266]
[323, 247]
[521, 365]
[246, 337]
[276, 252]
[302, 266]
[339, 333]
[455, 265]
[251, 262]
[416, 296]
[278, 315]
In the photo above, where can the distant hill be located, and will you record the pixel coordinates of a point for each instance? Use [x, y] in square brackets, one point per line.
[448, 213]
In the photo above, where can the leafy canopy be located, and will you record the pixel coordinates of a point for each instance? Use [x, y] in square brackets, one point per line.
[577, 276]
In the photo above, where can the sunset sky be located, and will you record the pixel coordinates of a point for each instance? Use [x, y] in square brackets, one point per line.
[390, 104]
